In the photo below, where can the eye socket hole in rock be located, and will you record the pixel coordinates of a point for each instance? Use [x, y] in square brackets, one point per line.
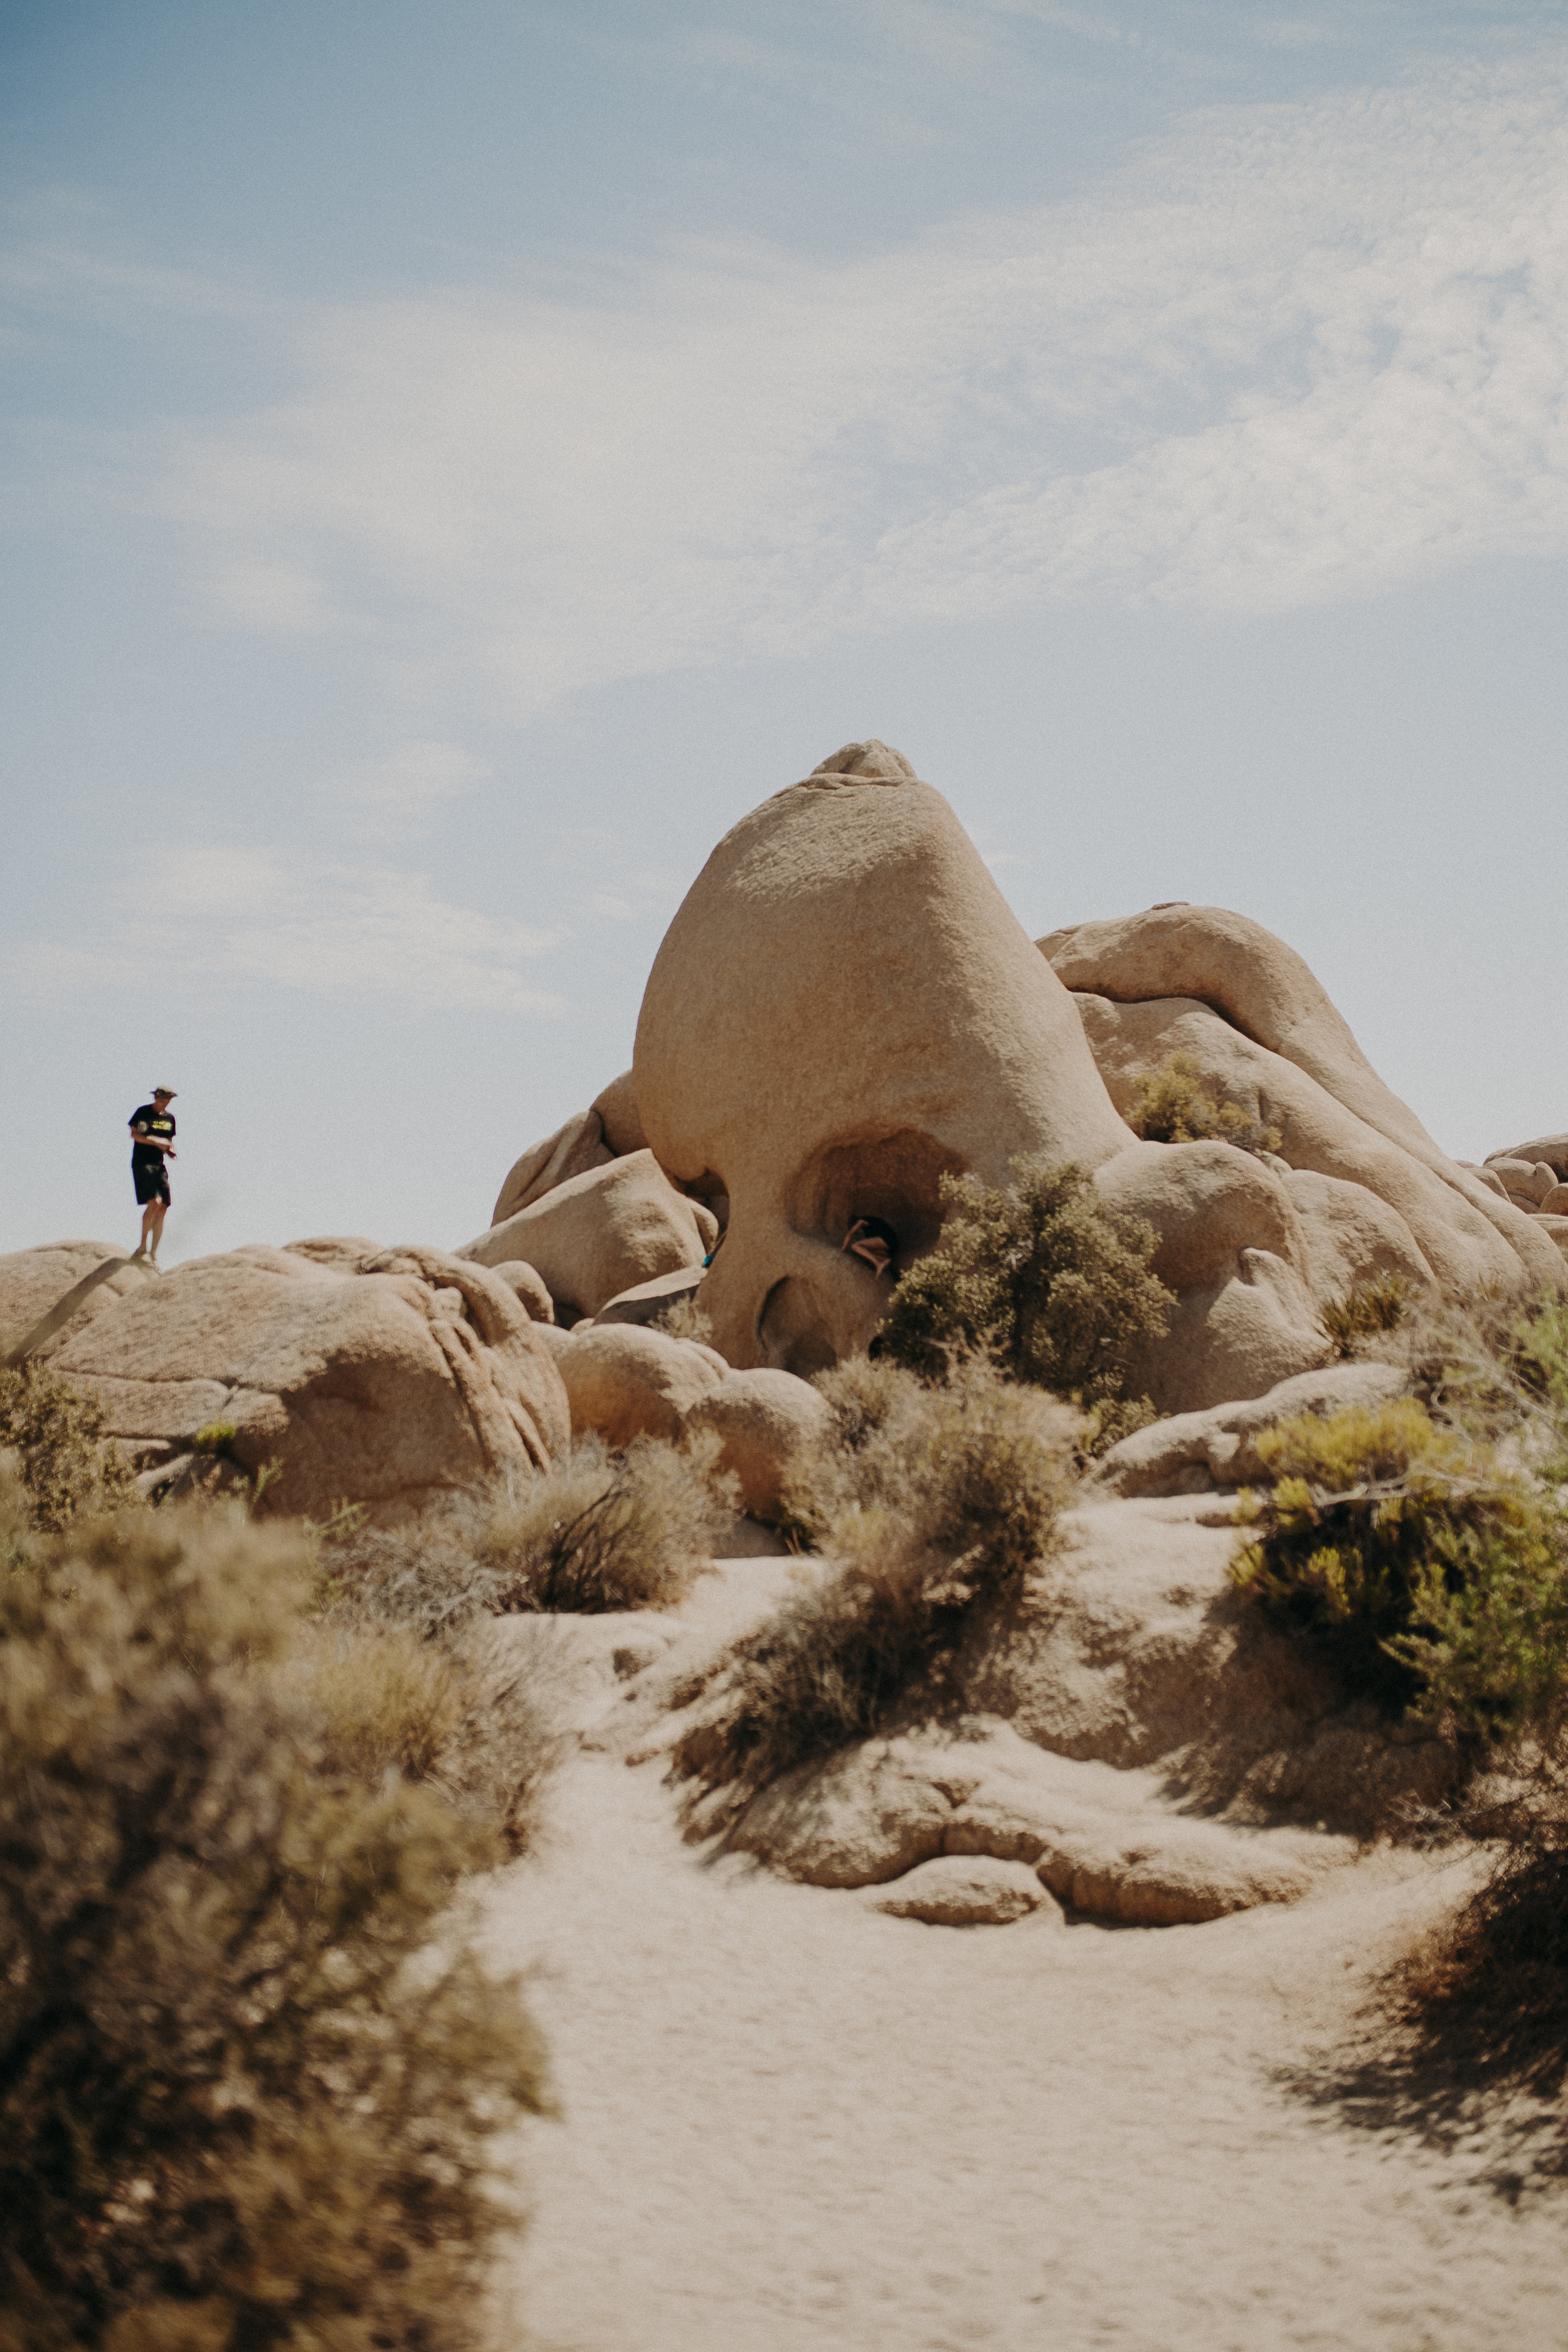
[792, 1330]
[888, 1181]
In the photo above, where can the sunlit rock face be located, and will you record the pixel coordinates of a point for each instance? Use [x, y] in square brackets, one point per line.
[843, 1009]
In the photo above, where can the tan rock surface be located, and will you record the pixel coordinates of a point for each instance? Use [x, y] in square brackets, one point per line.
[1231, 1245]
[600, 1233]
[843, 1008]
[606, 1130]
[624, 1381]
[1131, 1649]
[35, 1281]
[1189, 1452]
[968, 1891]
[527, 1286]
[649, 1302]
[764, 1419]
[417, 1376]
[1552, 1148]
[846, 938]
[1199, 980]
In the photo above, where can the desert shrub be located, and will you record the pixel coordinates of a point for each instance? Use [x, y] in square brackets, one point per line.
[684, 1319]
[974, 1463]
[1436, 1579]
[1367, 1311]
[931, 1499]
[606, 1530]
[479, 1721]
[1174, 1105]
[1042, 1278]
[248, 2091]
[600, 1531]
[391, 1701]
[57, 1434]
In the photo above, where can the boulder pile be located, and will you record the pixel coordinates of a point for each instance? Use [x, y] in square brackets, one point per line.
[843, 1011]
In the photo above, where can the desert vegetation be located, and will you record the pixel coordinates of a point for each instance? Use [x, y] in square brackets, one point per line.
[1426, 1541]
[1364, 1314]
[55, 1436]
[605, 1529]
[1174, 1105]
[1434, 1575]
[1043, 1281]
[251, 2071]
[1425, 1545]
[950, 1453]
[930, 1499]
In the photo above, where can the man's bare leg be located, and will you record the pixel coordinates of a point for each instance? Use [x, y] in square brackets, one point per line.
[153, 1217]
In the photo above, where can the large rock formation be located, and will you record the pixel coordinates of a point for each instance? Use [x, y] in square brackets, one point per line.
[1203, 981]
[58, 1285]
[845, 1009]
[389, 1380]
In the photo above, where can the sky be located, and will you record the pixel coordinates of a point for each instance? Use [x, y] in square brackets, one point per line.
[458, 458]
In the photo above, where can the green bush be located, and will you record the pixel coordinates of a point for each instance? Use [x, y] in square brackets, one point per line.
[1175, 1106]
[67, 1467]
[929, 1499]
[247, 2094]
[1436, 1579]
[1043, 1279]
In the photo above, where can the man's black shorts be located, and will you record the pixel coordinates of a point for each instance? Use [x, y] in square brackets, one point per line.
[152, 1181]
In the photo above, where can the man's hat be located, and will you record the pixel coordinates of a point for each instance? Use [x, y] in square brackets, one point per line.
[164, 1091]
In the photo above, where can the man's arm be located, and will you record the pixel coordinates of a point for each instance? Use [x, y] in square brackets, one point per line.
[151, 1142]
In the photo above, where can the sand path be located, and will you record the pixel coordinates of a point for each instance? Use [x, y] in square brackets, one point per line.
[793, 2125]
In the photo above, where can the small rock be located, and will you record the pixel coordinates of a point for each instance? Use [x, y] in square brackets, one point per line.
[966, 1890]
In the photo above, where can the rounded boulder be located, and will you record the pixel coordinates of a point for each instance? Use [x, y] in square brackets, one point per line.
[764, 1421]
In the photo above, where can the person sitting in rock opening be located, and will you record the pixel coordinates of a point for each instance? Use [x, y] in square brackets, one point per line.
[152, 1146]
[875, 1244]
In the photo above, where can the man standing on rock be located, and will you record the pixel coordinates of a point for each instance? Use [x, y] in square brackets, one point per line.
[152, 1144]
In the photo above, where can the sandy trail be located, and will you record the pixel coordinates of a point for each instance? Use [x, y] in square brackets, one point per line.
[793, 2125]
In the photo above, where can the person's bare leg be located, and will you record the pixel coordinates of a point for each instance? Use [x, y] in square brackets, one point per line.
[147, 1216]
[157, 1211]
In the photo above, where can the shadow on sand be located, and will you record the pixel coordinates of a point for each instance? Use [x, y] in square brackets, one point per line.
[1465, 2043]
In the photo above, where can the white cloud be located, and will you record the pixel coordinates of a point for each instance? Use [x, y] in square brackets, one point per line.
[394, 798]
[226, 914]
[1296, 354]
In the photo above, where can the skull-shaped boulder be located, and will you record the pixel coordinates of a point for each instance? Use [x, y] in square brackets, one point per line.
[844, 1010]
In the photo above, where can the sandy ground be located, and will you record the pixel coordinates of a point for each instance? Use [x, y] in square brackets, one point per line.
[793, 2125]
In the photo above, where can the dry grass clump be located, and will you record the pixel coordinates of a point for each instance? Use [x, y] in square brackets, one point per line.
[67, 1467]
[600, 1531]
[606, 1530]
[1367, 1311]
[684, 1319]
[1175, 1106]
[929, 1499]
[478, 1722]
[1044, 1280]
[234, 2113]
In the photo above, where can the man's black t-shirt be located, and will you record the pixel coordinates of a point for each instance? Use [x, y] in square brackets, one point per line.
[157, 1123]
